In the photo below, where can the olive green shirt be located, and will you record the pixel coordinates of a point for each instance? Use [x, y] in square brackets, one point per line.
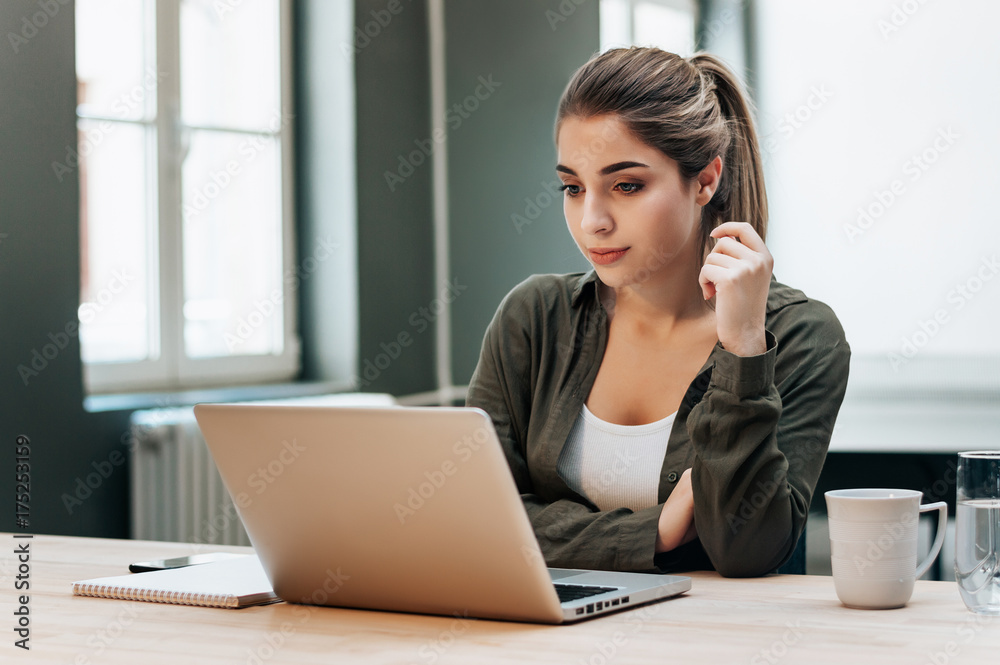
[753, 430]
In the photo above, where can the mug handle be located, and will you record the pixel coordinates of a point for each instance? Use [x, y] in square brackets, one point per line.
[942, 509]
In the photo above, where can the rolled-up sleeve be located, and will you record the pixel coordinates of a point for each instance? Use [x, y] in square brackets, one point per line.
[760, 434]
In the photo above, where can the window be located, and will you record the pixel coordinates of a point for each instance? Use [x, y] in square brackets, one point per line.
[667, 24]
[877, 169]
[185, 140]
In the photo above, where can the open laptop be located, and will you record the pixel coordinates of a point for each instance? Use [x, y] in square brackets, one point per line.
[410, 509]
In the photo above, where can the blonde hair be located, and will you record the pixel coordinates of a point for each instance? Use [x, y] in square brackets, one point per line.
[691, 109]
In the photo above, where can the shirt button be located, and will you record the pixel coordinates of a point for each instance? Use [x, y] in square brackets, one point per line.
[672, 476]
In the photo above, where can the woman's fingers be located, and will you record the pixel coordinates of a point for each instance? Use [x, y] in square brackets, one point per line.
[707, 283]
[737, 273]
[723, 260]
[741, 231]
[711, 277]
[730, 246]
[739, 253]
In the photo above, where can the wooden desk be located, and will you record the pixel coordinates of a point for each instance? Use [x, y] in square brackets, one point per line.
[778, 619]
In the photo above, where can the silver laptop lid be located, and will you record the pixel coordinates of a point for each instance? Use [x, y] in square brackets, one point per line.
[408, 509]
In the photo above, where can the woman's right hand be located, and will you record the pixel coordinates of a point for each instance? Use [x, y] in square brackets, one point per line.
[676, 525]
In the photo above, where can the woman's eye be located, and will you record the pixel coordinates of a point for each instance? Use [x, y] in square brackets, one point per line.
[572, 190]
[629, 187]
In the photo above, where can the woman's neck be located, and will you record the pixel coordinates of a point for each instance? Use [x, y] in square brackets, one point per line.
[659, 303]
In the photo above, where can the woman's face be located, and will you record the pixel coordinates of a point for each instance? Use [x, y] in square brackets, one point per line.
[623, 195]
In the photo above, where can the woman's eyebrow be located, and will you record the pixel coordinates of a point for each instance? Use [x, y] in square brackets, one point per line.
[607, 170]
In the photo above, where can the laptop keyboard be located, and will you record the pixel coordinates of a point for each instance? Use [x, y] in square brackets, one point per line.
[568, 592]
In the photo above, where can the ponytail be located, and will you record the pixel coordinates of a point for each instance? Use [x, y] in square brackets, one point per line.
[741, 195]
[693, 110]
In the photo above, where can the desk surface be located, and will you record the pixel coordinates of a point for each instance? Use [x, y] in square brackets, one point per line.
[786, 619]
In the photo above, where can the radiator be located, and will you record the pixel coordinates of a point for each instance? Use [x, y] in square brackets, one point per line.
[177, 493]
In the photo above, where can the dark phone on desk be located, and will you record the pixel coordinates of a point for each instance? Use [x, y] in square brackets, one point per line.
[181, 561]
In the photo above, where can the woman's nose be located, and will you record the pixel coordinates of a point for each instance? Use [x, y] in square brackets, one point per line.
[596, 216]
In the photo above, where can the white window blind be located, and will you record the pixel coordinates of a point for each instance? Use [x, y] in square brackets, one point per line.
[879, 127]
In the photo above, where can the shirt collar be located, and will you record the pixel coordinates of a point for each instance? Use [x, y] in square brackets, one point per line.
[582, 285]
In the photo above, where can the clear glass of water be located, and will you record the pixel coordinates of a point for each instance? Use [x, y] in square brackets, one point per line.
[977, 530]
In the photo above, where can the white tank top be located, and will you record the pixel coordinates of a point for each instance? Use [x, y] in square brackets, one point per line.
[615, 466]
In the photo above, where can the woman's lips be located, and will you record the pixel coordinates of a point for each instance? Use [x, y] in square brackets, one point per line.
[605, 256]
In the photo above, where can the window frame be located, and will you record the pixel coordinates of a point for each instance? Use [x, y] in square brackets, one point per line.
[171, 368]
[692, 7]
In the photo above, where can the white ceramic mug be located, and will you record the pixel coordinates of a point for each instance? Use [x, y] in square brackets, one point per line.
[873, 544]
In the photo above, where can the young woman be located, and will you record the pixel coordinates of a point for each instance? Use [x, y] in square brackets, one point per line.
[671, 408]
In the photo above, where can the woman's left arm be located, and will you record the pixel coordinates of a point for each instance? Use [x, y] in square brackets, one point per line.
[763, 426]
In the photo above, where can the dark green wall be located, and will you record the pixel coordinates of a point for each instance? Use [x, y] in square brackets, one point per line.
[40, 293]
[504, 152]
[395, 238]
[325, 200]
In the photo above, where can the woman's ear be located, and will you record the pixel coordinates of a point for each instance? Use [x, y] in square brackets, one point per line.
[708, 181]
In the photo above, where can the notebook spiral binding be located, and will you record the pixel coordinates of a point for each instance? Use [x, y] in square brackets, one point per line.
[155, 596]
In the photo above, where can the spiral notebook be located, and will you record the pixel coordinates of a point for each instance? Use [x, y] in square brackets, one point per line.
[233, 583]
